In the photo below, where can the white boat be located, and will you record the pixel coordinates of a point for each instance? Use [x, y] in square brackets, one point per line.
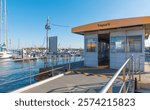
[4, 53]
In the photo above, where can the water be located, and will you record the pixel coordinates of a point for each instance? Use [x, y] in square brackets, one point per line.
[12, 72]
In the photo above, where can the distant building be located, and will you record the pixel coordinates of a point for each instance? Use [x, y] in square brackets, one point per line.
[53, 44]
[112, 42]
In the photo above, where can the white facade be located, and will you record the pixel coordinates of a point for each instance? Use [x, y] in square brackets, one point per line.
[91, 58]
[116, 58]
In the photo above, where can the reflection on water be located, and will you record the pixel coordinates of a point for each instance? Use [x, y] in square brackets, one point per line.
[10, 71]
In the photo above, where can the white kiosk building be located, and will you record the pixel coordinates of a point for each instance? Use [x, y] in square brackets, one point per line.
[110, 43]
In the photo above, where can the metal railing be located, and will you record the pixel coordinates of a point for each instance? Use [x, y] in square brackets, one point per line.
[30, 76]
[28, 69]
[127, 70]
[142, 65]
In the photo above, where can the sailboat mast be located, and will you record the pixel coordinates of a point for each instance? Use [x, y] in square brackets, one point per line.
[5, 24]
[1, 20]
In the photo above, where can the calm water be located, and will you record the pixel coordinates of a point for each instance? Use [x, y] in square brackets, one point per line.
[12, 71]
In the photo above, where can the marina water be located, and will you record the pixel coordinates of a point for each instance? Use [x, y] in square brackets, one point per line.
[14, 75]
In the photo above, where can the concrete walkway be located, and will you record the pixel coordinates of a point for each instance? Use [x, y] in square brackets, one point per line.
[96, 70]
[71, 83]
[143, 86]
[75, 82]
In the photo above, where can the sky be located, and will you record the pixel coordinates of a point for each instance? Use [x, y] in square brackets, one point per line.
[27, 18]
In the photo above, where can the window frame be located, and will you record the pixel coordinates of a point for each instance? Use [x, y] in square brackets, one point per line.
[128, 47]
[90, 48]
[113, 43]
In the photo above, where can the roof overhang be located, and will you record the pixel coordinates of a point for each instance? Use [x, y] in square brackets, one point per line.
[113, 24]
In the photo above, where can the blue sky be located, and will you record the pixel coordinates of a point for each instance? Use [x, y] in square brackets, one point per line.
[26, 18]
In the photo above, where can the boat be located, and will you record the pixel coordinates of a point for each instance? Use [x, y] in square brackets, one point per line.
[4, 53]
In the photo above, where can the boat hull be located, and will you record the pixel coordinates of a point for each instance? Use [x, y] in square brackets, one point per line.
[5, 55]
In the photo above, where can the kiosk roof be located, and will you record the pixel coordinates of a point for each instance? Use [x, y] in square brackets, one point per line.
[112, 24]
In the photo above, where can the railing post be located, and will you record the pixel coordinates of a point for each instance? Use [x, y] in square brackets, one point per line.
[124, 79]
[139, 70]
[132, 68]
[30, 70]
[52, 64]
[69, 62]
[129, 69]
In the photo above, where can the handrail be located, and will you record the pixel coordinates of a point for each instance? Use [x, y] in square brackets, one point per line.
[31, 76]
[111, 81]
[25, 59]
[32, 67]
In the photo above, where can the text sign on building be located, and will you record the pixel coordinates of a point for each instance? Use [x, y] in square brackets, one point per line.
[104, 25]
[53, 44]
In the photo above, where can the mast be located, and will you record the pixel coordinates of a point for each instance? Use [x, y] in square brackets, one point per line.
[5, 24]
[47, 27]
[1, 20]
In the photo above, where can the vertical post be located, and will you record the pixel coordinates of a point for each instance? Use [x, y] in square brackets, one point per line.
[47, 27]
[110, 90]
[63, 60]
[74, 58]
[22, 53]
[52, 62]
[130, 74]
[45, 62]
[124, 79]
[0, 21]
[30, 70]
[129, 70]
[132, 68]
[139, 70]
[69, 62]
[5, 24]
[56, 58]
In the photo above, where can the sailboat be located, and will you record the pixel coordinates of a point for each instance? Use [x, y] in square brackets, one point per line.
[4, 53]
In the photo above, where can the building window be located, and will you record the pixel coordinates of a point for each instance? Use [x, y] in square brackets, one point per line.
[134, 43]
[91, 45]
[118, 44]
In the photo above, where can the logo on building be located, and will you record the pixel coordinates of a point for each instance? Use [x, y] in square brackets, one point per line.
[103, 25]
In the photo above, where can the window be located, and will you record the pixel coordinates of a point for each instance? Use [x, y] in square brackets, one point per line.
[134, 43]
[91, 45]
[118, 44]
